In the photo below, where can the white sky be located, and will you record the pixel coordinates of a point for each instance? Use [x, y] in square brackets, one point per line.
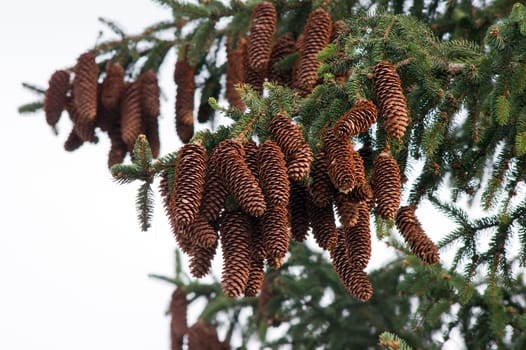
[73, 262]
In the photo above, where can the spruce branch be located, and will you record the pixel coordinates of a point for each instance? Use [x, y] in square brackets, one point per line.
[145, 205]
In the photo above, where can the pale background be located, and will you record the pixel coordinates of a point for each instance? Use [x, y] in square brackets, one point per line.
[73, 263]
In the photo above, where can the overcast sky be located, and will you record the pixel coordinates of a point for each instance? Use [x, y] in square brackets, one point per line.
[73, 262]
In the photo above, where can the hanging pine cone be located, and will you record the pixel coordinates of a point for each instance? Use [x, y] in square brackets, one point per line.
[178, 325]
[255, 277]
[357, 239]
[273, 174]
[414, 235]
[215, 191]
[112, 86]
[341, 168]
[238, 178]
[322, 188]
[251, 157]
[85, 86]
[201, 233]
[361, 191]
[355, 281]
[189, 183]
[84, 128]
[151, 130]
[262, 28]
[299, 217]
[56, 97]
[391, 99]
[283, 47]
[184, 100]
[131, 121]
[348, 210]
[201, 260]
[235, 237]
[235, 72]
[252, 77]
[150, 94]
[386, 182]
[203, 336]
[317, 33]
[73, 142]
[118, 148]
[275, 234]
[323, 226]
[356, 120]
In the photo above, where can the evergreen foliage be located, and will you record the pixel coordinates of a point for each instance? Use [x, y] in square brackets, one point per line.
[449, 83]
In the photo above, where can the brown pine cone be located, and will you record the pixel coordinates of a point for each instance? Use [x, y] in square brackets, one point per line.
[322, 188]
[131, 121]
[251, 157]
[178, 325]
[257, 244]
[355, 281]
[235, 243]
[386, 185]
[73, 142]
[391, 99]
[262, 28]
[215, 191]
[235, 72]
[84, 128]
[203, 336]
[299, 217]
[238, 179]
[255, 277]
[361, 191]
[85, 86]
[189, 183]
[341, 168]
[299, 166]
[56, 97]
[201, 233]
[149, 94]
[112, 86]
[275, 234]
[273, 174]
[283, 47]
[347, 208]
[317, 33]
[323, 226]
[151, 130]
[414, 235]
[252, 77]
[118, 148]
[201, 260]
[184, 100]
[357, 239]
[356, 120]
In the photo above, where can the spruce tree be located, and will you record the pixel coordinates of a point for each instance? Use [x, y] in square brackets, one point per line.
[329, 124]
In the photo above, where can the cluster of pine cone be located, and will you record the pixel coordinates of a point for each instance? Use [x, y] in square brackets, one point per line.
[122, 109]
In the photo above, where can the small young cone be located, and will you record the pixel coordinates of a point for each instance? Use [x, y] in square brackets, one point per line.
[150, 94]
[235, 72]
[283, 47]
[273, 174]
[356, 120]
[189, 183]
[85, 86]
[131, 121]
[391, 99]
[341, 168]
[275, 234]
[73, 142]
[322, 188]
[355, 281]
[184, 100]
[262, 28]
[255, 277]
[201, 260]
[386, 182]
[215, 191]
[238, 178]
[317, 33]
[178, 325]
[112, 86]
[323, 226]
[55, 98]
[357, 239]
[414, 235]
[299, 216]
[235, 244]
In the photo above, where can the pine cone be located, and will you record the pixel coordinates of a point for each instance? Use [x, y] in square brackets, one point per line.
[251, 157]
[238, 178]
[184, 100]
[322, 188]
[299, 217]
[361, 191]
[317, 33]
[358, 239]
[347, 208]
[323, 226]
[189, 183]
[273, 174]
[356, 120]
[252, 77]
[112, 86]
[257, 244]
[386, 182]
[151, 130]
[215, 191]
[262, 28]
[203, 336]
[282, 48]
[341, 168]
[201, 260]
[56, 97]
[235, 72]
[391, 99]
[84, 128]
[149, 94]
[235, 244]
[355, 281]
[201, 233]
[178, 325]
[118, 147]
[73, 142]
[85, 86]
[414, 235]
[275, 234]
[131, 121]
[255, 277]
